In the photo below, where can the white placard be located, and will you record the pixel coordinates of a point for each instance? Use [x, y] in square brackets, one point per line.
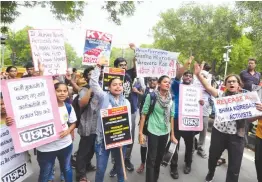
[236, 107]
[31, 102]
[155, 62]
[48, 47]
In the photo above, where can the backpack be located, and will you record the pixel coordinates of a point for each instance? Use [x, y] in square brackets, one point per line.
[77, 108]
[150, 110]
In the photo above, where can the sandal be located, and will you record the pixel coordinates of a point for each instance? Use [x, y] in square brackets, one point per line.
[141, 168]
[221, 161]
[84, 179]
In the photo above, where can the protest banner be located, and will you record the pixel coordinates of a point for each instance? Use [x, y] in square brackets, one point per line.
[190, 111]
[14, 167]
[97, 47]
[155, 62]
[110, 73]
[236, 107]
[115, 122]
[32, 104]
[48, 47]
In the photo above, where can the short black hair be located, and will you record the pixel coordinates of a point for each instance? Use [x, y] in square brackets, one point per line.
[58, 84]
[9, 68]
[112, 79]
[252, 59]
[188, 72]
[29, 65]
[74, 69]
[87, 70]
[119, 60]
[207, 67]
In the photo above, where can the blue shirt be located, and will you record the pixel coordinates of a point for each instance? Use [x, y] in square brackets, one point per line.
[249, 79]
[175, 93]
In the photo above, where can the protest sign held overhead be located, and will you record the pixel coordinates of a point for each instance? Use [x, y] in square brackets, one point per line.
[48, 47]
[115, 122]
[110, 73]
[97, 46]
[32, 104]
[14, 167]
[190, 111]
[155, 62]
[236, 107]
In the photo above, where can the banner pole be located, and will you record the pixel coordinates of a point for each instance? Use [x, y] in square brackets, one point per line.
[123, 163]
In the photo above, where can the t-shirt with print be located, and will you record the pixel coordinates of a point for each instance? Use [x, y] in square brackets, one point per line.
[67, 140]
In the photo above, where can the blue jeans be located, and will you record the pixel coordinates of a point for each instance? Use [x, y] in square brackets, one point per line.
[52, 177]
[102, 156]
[46, 162]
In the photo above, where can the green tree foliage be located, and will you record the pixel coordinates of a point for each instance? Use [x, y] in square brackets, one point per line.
[251, 18]
[127, 53]
[65, 10]
[203, 31]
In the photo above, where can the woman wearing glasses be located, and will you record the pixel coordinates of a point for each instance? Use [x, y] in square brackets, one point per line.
[225, 135]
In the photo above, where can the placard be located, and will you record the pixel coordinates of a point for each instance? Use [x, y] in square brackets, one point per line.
[110, 73]
[154, 62]
[236, 107]
[33, 105]
[115, 122]
[48, 47]
[97, 47]
[14, 167]
[190, 110]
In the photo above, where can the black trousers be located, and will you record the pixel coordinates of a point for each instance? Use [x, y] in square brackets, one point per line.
[156, 150]
[235, 146]
[188, 137]
[85, 154]
[143, 151]
[258, 158]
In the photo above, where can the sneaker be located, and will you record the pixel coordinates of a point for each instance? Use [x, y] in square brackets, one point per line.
[187, 169]
[113, 172]
[209, 177]
[201, 153]
[129, 165]
[174, 173]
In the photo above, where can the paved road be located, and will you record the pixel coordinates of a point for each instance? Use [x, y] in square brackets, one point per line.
[199, 168]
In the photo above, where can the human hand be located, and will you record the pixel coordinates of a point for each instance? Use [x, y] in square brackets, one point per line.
[173, 139]
[259, 106]
[9, 121]
[141, 138]
[197, 69]
[64, 133]
[132, 46]
[201, 102]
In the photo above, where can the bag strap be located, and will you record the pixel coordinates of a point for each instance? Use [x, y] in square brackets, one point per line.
[152, 105]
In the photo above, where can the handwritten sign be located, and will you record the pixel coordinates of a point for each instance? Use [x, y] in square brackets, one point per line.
[14, 167]
[155, 62]
[32, 104]
[97, 47]
[115, 122]
[236, 107]
[190, 111]
[110, 73]
[48, 47]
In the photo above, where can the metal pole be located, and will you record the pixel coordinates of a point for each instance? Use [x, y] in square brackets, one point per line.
[225, 71]
[3, 60]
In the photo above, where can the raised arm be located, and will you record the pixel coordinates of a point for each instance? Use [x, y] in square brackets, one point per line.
[181, 70]
[74, 85]
[94, 85]
[211, 90]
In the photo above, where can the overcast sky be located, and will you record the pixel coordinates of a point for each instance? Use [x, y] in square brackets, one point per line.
[133, 29]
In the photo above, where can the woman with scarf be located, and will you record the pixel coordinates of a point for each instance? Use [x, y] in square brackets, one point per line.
[114, 98]
[158, 127]
[225, 135]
